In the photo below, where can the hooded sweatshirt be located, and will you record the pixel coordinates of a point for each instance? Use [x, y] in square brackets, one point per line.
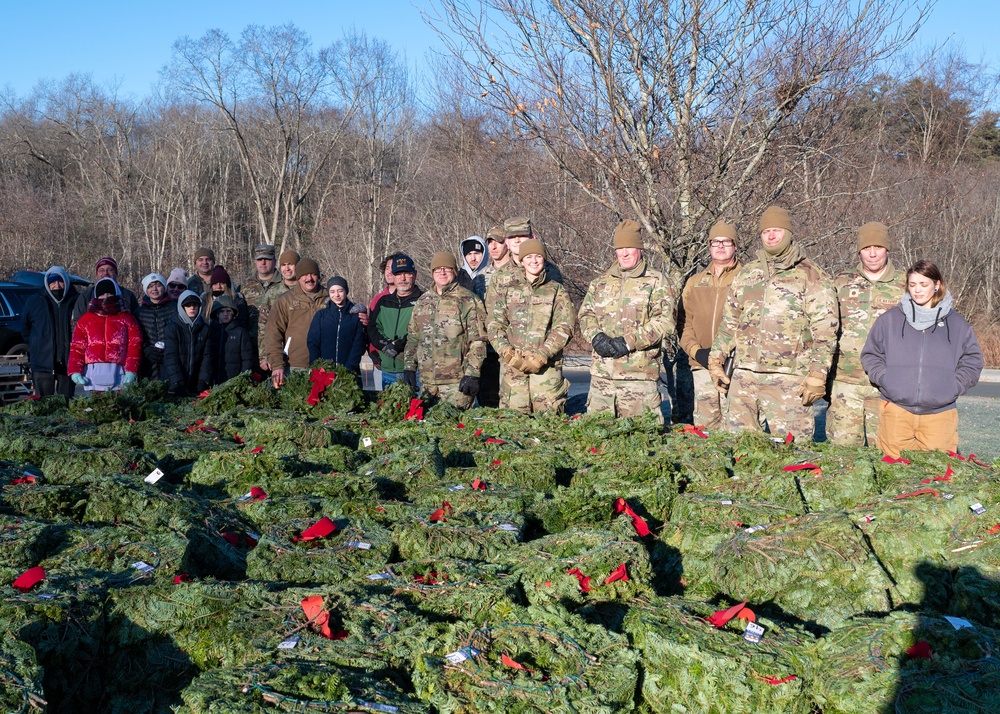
[922, 358]
[46, 325]
[470, 278]
[185, 361]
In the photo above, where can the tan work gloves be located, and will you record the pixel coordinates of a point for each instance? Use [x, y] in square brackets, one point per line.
[527, 362]
[813, 388]
[716, 360]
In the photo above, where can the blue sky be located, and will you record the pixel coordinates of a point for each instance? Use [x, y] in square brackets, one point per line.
[128, 42]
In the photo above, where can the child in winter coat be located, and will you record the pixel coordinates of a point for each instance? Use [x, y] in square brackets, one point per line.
[230, 347]
[156, 310]
[106, 348]
[336, 332]
[185, 351]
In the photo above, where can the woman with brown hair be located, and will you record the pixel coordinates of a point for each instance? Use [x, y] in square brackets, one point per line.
[922, 356]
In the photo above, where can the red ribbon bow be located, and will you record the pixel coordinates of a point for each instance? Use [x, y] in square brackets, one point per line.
[776, 680]
[429, 579]
[439, 514]
[202, 395]
[721, 617]
[321, 379]
[460, 425]
[312, 606]
[238, 439]
[182, 578]
[637, 522]
[256, 449]
[320, 529]
[257, 494]
[583, 579]
[23, 479]
[920, 650]
[696, 430]
[243, 541]
[619, 573]
[919, 492]
[494, 440]
[789, 438]
[889, 460]
[802, 467]
[947, 476]
[29, 579]
[478, 485]
[972, 459]
[514, 664]
[416, 410]
[477, 432]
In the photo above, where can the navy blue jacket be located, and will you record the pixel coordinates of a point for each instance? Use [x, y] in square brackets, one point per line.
[46, 326]
[337, 334]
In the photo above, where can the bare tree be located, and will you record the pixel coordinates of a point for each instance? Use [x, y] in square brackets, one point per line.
[668, 111]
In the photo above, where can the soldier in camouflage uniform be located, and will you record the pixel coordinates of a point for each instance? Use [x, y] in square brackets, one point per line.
[703, 298]
[489, 375]
[264, 280]
[531, 321]
[863, 294]
[286, 267]
[781, 318]
[634, 303]
[446, 337]
[516, 231]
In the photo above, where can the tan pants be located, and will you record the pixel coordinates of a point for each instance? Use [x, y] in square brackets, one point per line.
[898, 430]
[709, 405]
[449, 393]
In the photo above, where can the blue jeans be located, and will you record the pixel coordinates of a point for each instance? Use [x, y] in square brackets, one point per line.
[393, 377]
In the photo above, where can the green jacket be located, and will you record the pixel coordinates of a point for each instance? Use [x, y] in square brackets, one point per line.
[637, 305]
[861, 300]
[447, 336]
[781, 316]
[534, 317]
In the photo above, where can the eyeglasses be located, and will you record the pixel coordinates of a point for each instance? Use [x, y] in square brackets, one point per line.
[722, 243]
[177, 286]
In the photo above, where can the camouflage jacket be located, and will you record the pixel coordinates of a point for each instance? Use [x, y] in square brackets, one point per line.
[861, 301]
[637, 305]
[446, 337]
[781, 316]
[535, 317]
[261, 306]
[501, 277]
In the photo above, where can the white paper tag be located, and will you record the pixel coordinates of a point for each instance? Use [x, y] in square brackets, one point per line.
[947, 496]
[753, 633]
[369, 472]
[380, 576]
[379, 707]
[366, 442]
[727, 502]
[977, 508]
[462, 655]
[754, 529]
[154, 476]
[245, 497]
[459, 487]
[144, 567]
[958, 623]
[89, 409]
[866, 519]
[253, 535]
[508, 527]
[360, 545]
[289, 644]
[46, 596]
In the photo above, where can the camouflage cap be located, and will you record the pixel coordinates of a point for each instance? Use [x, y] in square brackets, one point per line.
[627, 235]
[721, 229]
[873, 233]
[776, 217]
[514, 227]
[264, 250]
[495, 234]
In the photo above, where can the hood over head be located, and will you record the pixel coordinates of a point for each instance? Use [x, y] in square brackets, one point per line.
[463, 248]
[49, 274]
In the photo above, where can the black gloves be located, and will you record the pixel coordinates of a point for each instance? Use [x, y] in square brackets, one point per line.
[469, 386]
[619, 347]
[394, 348]
[701, 357]
[410, 378]
[602, 345]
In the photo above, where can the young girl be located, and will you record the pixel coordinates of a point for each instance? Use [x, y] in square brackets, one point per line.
[106, 348]
[185, 348]
[922, 356]
[336, 332]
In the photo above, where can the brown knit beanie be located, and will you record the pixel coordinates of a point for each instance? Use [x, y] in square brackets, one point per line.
[532, 247]
[203, 252]
[627, 235]
[306, 266]
[873, 233]
[443, 259]
[721, 229]
[289, 256]
[776, 217]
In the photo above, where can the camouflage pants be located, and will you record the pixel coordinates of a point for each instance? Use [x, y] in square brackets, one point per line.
[852, 419]
[448, 393]
[530, 393]
[757, 398]
[624, 397]
[899, 429]
[709, 406]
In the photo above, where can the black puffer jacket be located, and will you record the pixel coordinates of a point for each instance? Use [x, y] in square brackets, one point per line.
[46, 326]
[153, 319]
[231, 351]
[185, 355]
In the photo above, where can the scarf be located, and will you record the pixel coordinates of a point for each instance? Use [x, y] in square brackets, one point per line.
[106, 305]
[922, 317]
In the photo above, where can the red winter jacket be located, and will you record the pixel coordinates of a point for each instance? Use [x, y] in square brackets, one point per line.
[114, 338]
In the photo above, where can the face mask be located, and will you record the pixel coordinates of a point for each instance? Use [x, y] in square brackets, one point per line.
[218, 293]
[58, 293]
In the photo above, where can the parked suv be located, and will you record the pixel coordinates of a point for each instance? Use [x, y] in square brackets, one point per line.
[13, 295]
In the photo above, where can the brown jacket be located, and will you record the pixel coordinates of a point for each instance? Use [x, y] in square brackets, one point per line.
[702, 301]
[291, 315]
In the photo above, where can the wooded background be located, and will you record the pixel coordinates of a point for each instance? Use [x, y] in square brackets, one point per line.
[575, 113]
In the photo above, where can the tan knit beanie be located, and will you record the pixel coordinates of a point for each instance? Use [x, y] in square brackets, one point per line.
[627, 235]
[873, 233]
[721, 229]
[532, 247]
[289, 256]
[443, 259]
[306, 266]
[775, 217]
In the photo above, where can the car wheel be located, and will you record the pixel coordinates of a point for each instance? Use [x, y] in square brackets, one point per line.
[18, 349]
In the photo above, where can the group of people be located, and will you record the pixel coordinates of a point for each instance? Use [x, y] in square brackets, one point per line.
[766, 340]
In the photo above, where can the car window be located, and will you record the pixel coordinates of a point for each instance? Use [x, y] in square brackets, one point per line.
[5, 310]
[15, 301]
